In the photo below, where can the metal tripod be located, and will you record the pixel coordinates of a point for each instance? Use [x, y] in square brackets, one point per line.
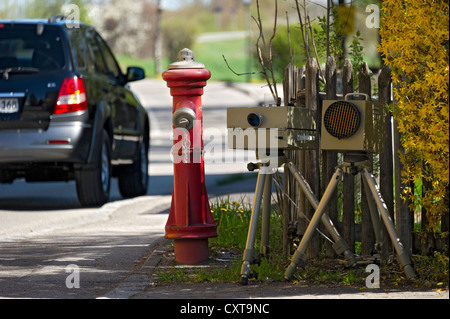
[263, 189]
[263, 194]
[354, 165]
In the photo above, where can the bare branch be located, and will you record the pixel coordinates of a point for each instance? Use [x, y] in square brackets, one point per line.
[274, 30]
[305, 44]
[268, 52]
[318, 4]
[238, 74]
[258, 50]
[328, 28]
[270, 56]
[259, 22]
[321, 77]
[289, 38]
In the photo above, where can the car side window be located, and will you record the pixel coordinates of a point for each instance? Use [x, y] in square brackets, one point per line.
[94, 49]
[111, 64]
[80, 51]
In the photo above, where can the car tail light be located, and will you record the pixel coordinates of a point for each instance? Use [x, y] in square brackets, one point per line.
[72, 96]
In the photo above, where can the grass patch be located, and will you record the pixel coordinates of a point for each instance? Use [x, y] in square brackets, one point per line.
[210, 274]
[232, 219]
[433, 270]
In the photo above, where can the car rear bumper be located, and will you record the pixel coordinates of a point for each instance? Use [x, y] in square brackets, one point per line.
[61, 142]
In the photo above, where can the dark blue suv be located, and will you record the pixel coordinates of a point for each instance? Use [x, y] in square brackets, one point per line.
[67, 113]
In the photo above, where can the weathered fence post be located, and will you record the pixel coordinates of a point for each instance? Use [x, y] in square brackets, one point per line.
[329, 157]
[348, 196]
[367, 231]
[401, 205]
[386, 160]
[286, 206]
[293, 215]
[312, 174]
[300, 155]
[289, 99]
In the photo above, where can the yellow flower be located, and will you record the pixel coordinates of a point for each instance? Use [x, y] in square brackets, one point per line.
[420, 70]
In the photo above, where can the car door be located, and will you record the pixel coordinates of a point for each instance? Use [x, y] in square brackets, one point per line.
[126, 113]
[106, 89]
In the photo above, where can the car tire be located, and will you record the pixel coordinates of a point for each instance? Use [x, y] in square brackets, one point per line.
[133, 180]
[93, 185]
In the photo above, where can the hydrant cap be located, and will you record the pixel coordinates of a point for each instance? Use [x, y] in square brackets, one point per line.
[186, 61]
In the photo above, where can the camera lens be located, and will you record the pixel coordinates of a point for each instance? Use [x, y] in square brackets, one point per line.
[255, 119]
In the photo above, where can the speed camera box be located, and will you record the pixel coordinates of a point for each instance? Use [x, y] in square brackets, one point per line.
[365, 135]
[282, 127]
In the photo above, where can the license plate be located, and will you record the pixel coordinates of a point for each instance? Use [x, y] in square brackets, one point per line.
[9, 106]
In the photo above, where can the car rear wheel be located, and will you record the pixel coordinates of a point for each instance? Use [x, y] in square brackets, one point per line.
[133, 180]
[93, 185]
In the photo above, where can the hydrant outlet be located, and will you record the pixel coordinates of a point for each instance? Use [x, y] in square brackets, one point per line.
[184, 118]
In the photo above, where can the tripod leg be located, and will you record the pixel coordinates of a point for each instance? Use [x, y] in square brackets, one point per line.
[299, 255]
[340, 246]
[403, 257]
[375, 217]
[249, 254]
[266, 208]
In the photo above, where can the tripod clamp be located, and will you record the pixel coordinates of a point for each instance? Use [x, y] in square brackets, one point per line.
[354, 163]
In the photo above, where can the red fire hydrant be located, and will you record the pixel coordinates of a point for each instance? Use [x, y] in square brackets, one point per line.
[190, 222]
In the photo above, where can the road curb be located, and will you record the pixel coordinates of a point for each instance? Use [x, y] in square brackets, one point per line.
[141, 278]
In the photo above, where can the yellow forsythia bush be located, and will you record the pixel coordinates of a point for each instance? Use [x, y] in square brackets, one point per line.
[415, 42]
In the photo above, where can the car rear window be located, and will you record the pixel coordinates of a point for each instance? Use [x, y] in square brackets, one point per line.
[36, 46]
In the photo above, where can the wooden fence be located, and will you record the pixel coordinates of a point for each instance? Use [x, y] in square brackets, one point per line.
[301, 89]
